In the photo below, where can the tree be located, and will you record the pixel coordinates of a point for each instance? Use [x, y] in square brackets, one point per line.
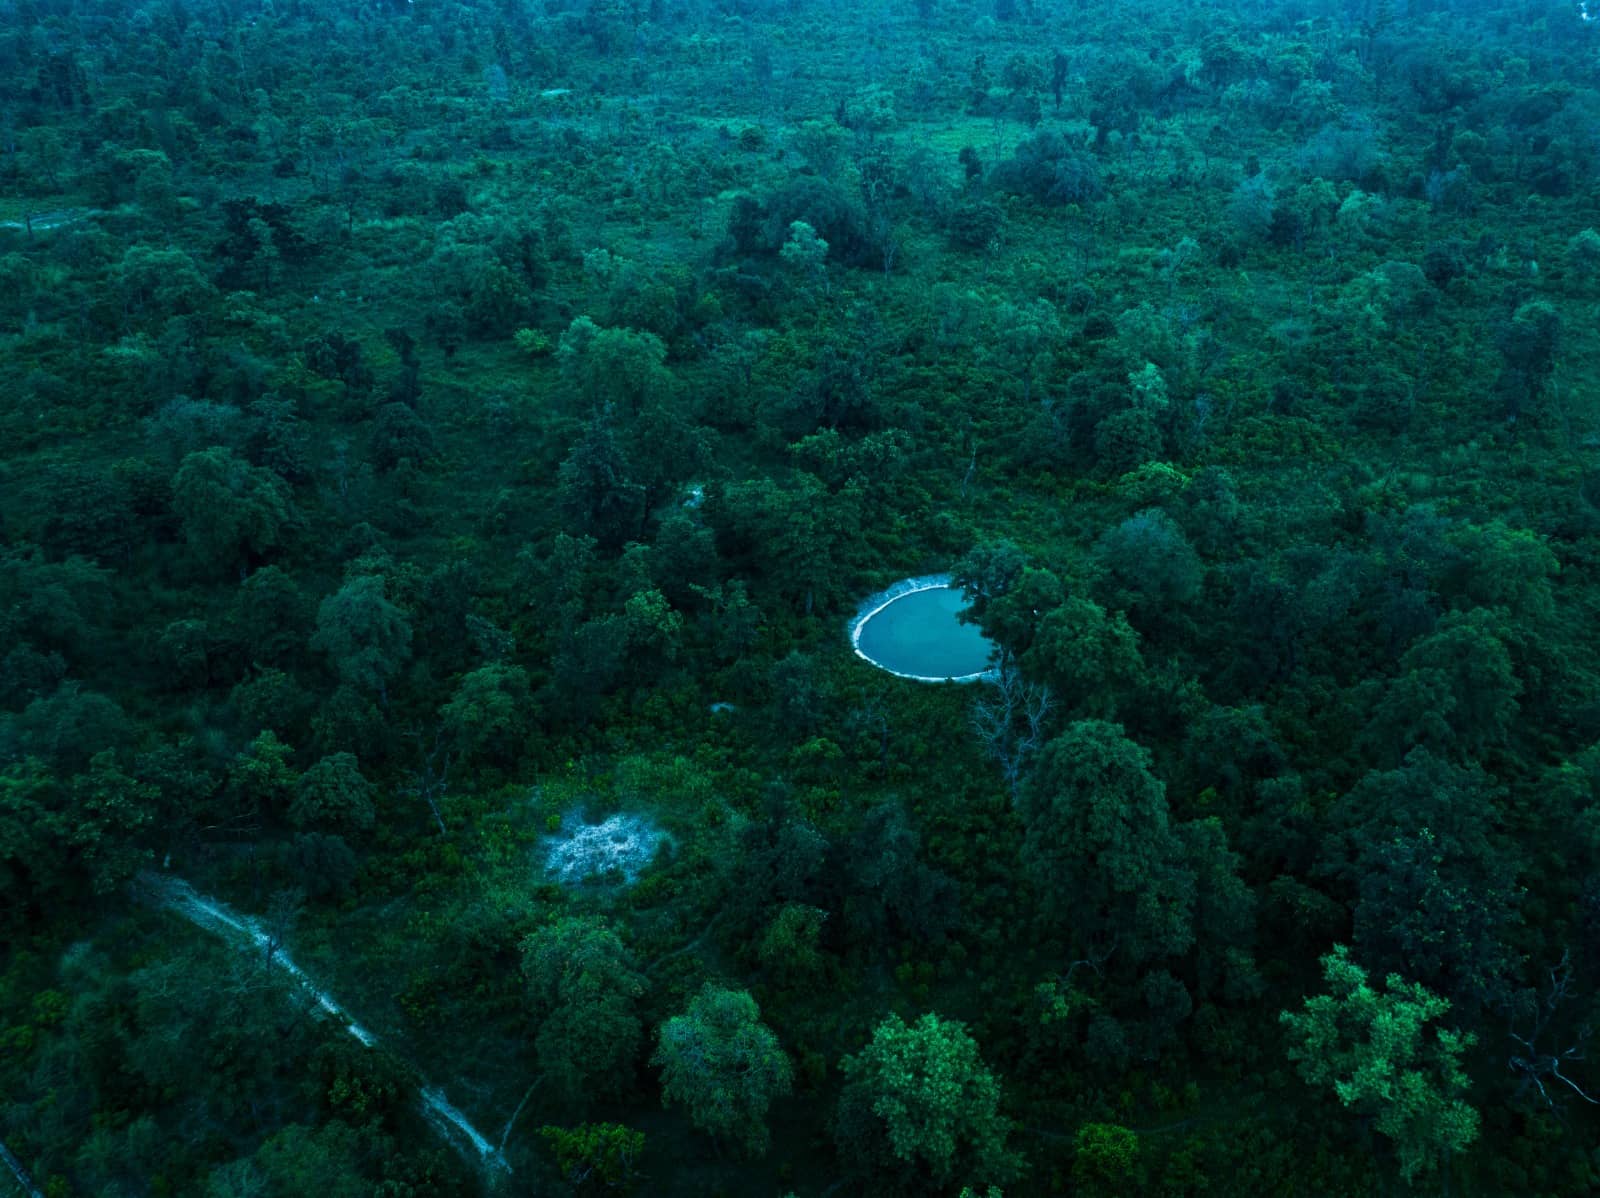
[1380, 1057]
[33, 830]
[1149, 564]
[621, 367]
[1465, 670]
[1100, 844]
[1433, 880]
[367, 637]
[1105, 1160]
[806, 254]
[229, 508]
[724, 1065]
[985, 573]
[1429, 905]
[789, 947]
[333, 794]
[161, 282]
[490, 714]
[1050, 170]
[1224, 912]
[1010, 720]
[1529, 341]
[894, 896]
[1090, 658]
[261, 778]
[800, 539]
[598, 492]
[596, 1158]
[584, 988]
[67, 728]
[920, 1106]
[1025, 342]
[267, 618]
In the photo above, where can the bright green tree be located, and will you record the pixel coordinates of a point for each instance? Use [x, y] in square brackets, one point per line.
[721, 1063]
[1105, 1160]
[919, 1103]
[1378, 1054]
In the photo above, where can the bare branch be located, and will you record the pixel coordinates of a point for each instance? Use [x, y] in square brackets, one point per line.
[1540, 1062]
[1011, 721]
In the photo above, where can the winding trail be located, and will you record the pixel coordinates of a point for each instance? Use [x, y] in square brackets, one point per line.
[176, 895]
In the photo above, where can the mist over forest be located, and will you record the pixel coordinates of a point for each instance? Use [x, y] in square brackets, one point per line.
[481, 710]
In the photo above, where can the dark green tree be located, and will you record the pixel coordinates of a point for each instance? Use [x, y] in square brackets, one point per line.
[333, 795]
[1101, 845]
[230, 510]
[585, 991]
[491, 713]
[366, 637]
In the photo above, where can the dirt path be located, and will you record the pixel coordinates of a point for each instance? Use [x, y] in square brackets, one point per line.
[177, 896]
[42, 222]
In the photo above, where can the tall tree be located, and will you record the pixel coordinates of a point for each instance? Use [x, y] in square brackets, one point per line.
[920, 1111]
[585, 990]
[1378, 1053]
[230, 509]
[366, 637]
[1101, 846]
[724, 1065]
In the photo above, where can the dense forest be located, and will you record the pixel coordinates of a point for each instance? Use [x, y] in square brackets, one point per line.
[443, 444]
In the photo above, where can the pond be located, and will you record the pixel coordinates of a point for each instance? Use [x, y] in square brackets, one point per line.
[911, 630]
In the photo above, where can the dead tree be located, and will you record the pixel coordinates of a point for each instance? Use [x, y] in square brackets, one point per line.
[1010, 721]
[1539, 1058]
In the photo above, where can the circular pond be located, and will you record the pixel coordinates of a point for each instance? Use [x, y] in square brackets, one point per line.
[912, 630]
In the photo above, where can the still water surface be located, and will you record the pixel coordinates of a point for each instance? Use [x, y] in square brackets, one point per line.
[919, 636]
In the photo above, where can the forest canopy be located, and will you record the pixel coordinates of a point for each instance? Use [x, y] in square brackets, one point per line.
[443, 445]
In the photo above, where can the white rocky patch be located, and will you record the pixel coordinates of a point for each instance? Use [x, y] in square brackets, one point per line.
[619, 844]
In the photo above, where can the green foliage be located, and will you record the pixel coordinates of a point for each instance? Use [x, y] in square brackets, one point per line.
[722, 1064]
[789, 946]
[919, 1099]
[1088, 656]
[229, 508]
[1253, 361]
[584, 988]
[84, 831]
[1378, 1054]
[333, 794]
[491, 712]
[1105, 1159]
[261, 777]
[1101, 845]
[366, 637]
[596, 1157]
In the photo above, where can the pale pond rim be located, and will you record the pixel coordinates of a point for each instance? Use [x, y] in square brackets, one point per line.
[911, 630]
